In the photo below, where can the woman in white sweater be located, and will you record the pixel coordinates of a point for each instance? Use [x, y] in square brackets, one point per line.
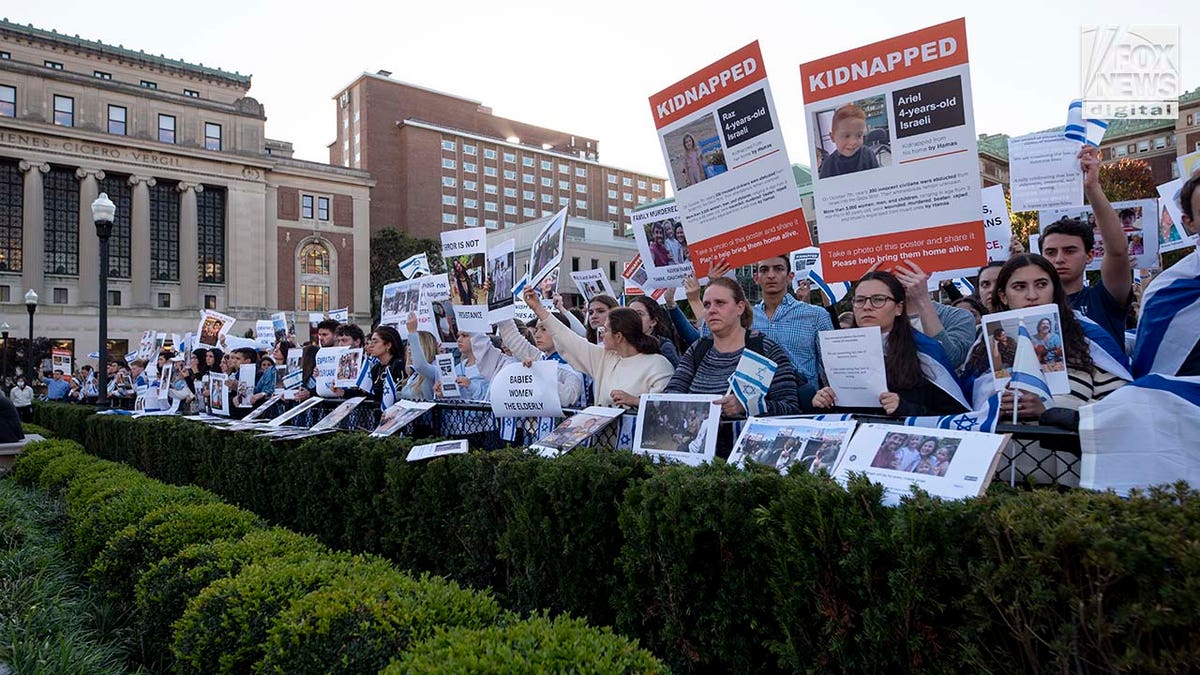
[625, 367]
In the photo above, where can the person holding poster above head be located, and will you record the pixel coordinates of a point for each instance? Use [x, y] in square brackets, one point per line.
[419, 386]
[1068, 244]
[914, 389]
[625, 367]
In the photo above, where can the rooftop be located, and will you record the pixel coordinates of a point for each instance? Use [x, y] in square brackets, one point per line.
[121, 52]
[994, 145]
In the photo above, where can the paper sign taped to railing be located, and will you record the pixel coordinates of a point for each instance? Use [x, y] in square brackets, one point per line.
[518, 391]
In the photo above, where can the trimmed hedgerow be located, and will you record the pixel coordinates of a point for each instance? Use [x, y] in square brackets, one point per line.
[29, 465]
[33, 429]
[537, 645]
[359, 623]
[163, 532]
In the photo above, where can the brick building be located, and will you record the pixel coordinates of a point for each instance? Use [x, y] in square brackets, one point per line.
[210, 213]
[1156, 142]
[443, 162]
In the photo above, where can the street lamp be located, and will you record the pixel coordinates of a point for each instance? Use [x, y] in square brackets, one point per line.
[4, 327]
[103, 214]
[31, 305]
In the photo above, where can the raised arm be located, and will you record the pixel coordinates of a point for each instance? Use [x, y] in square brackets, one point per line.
[1114, 266]
[516, 343]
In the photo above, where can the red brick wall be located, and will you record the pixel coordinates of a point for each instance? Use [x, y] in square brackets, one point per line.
[288, 241]
[345, 271]
[343, 211]
[287, 265]
[288, 207]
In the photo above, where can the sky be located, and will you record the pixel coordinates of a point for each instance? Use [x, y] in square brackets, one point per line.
[589, 68]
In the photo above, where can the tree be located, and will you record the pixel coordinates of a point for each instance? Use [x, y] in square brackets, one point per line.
[1024, 223]
[1127, 179]
[388, 249]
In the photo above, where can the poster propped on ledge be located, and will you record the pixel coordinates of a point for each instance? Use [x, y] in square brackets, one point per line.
[724, 150]
[335, 416]
[892, 138]
[401, 414]
[465, 253]
[575, 430]
[431, 450]
[784, 442]
[681, 427]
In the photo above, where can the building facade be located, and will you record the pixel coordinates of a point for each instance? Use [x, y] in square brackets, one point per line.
[443, 162]
[210, 213]
[1157, 142]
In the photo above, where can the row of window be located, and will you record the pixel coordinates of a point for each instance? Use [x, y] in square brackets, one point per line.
[306, 207]
[546, 165]
[103, 75]
[118, 118]
[1144, 145]
[61, 208]
[61, 296]
[527, 179]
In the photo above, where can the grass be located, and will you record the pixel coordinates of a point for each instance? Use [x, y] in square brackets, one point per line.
[50, 622]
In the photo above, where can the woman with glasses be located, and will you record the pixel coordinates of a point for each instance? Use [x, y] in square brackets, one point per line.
[878, 300]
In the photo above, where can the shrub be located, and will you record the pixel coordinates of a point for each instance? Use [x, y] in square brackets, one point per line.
[28, 466]
[163, 592]
[224, 627]
[60, 470]
[33, 429]
[163, 532]
[537, 645]
[358, 624]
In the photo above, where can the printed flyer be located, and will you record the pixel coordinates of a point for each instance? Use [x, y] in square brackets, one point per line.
[663, 246]
[723, 147]
[1139, 223]
[465, 253]
[892, 138]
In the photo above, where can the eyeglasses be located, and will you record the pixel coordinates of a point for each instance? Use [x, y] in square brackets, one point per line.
[876, 301]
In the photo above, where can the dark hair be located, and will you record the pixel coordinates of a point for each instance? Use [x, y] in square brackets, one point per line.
[246, 353]
[217, 355]
[1185, 195]
[991, 264]
[330, 325]
[606, 300]
[1126, 212]
[628, 324]
[392, 337]
[747, 318]
[558, 315]
[664, 329]
[787, 262]
[352, 330]
[900, 361]
[1079, 354]
[973, 302]
[308, 363]
[1072, 227]
[997, 332]
[284, 346]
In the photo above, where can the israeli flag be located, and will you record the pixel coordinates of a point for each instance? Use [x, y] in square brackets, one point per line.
[751, 381]
[415, 266]
[389, 397]
[936, 367]
[1106, 353]
[983, 420]
[1026, 371]
[964, 286]
[1142, 434]
[1169, 329]
[835, 292]
[364, 375]
[1083, 130]
[93, 355]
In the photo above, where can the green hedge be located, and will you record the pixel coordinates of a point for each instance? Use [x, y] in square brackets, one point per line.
[724, 570]
[214, 591]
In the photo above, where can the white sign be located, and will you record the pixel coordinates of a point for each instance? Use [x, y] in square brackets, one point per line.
[436, 314]
[264, 333]
[997, 225]
[1045, 330]
[853, 362]
[399, 415]
[350, 365]
[592, 283]
[431, 450]
[447, 376]
[465, 253]
[517, 391]
[1139, 223]
[335, 416]
[682, 427]
[325, 372]
[663, 244]
[575, 430]
[502, 272]
[1044, 172]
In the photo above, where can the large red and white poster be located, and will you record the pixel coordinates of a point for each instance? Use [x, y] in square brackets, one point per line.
[892, 142]
[734, 185]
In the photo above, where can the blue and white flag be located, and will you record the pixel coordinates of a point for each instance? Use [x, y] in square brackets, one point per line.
[93, 355]
[982, 420]
[835, 292]
[415, 266]
[389, 396]
[1169, 329]
[1106, 353]
[1142, 434]
[1026, 370]
[964, 286]
[937, 369]
[1083, 130]
[363, 381]
[751, 381]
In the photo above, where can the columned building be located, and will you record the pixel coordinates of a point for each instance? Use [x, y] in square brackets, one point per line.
[210, 213]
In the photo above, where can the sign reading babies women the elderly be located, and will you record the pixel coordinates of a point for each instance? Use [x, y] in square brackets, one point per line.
[518, 391]
[733, 183]
[892, 135]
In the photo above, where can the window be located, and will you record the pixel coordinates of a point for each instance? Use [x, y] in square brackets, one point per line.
[564, 201]
[641, 184]
[1190, 119]
[547, 182]
[627, 196]
[595, 264]
[1143, 146]
[563, 168]
[528, 195]
[612, 210]
[164, 300]
[322, 208]
[210, 225]
[449, 182]
[53, 65]
[529, 213]
[656, 188]
[1121, 151]
[1160, 142]
[306, 206]
[166, 128]
[148, 84]
[470, 185]
[448, 145]
[101, 75]
[626, 181]
[314, 258]
[116, 120]
[510, 192]
[510, 210]
[64, 111]
[612, 269]
[489, 154]
[490, 224]
[489, 206]
[60, 296]
[489, 188]
[580, 188]
[8, 101]
[564, 185]
[510, 158]
[469, 167]
[547, 198]
[5, 293]
[191, 93]
[163, 231]
[489, 171]
[449, 200]
[612, 179]
[526, 178]
[314, 298]
[580, 172]
[470, 203]
[509, 174]
[448, 164]
[212, 136]
[450, 218]
[210, 302]
[119, 244]
[612, 194]
[470, 221]
[12, 224]
[574, 264]
[5, 55]
[581, 204]
[468, 149]
[547, 165]
[61, 207]
[527, 161]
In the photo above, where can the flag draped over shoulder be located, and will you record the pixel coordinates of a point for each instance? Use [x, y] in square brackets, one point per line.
[1106, 353]
[936, 366]
[1169, 329]
[1142, 434]
[1026, 371]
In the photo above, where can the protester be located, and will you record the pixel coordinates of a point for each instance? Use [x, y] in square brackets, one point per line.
[10, 422]
[419, 386]
[952, 327]
[264, 386]
[1068, 244]
[974, 306]
[57, 386]
[986, 282]
[708, 365]
[625, 367]
[913, 388]
[571, 389]
[597, 312]
[22, 399]
[656, 324]
[327, 332]
[387, 372]
[348, 335]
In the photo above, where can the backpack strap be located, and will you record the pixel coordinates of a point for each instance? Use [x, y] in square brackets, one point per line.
[754, 342]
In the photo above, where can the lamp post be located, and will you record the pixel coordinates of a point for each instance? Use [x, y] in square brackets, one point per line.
[31, 305]
[4, 327]
[103, 214]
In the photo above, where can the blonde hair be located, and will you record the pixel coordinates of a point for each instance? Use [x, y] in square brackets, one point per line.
[429, 345]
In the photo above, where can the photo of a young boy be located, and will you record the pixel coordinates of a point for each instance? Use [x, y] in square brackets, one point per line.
[848, 132]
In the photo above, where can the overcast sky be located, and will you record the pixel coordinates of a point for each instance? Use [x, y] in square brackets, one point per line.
[589, 68]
